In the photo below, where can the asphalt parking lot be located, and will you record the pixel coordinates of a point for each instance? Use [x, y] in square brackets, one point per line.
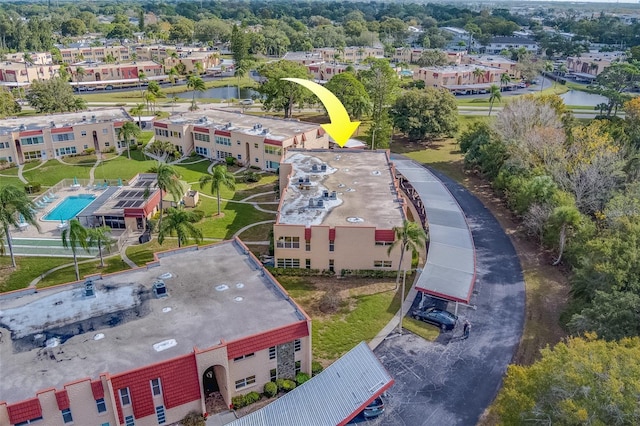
[452, 381]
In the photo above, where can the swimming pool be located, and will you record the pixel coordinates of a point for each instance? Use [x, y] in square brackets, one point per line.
[70, 207]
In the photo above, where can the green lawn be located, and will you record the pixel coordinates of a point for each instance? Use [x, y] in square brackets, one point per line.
[28, 269]
[53, 172]
[192, 172]
[11, 171]
[68, 274]
[234, 217]
[142, 253]
[124, 168]
[89, 160]
[422, 329]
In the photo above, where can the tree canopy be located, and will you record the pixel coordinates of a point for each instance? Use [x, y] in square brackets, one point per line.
[280, 94]
[426, 113]
[54, 95]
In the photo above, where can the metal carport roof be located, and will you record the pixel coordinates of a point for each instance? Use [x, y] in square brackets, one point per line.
[450, 270]
[333, 397]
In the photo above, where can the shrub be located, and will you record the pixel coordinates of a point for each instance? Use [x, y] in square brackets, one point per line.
[133, 147]
[196, 216]
[285, 385]
[301, 378]
[250, 177]
[193, 419]
[238, 401]
[230, 161]
[251, 398]
[316, 368]
[329, 302]
[33, 187]
[89, 151]
[270, 389]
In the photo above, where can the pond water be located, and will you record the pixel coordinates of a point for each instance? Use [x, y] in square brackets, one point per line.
[227, 92]
[578, 98]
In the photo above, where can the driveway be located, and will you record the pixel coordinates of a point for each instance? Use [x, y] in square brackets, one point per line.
[452, 381]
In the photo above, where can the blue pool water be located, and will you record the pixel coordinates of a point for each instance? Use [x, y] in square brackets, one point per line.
[70, 207]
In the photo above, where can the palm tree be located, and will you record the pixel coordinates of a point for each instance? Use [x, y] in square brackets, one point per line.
[172, 75]
[494, 95]
[137, 110]
[150, 99]
[127, 132]
[167, 181]
[505, 79]
[547, 67]
[478, 74]
[73, 237]
[99, 237]
[410, 236]
[80, 73]
[198, 68]
[179, 221]
[141, 77]
[13, 203]
[196, 84]
[239, 72]
[220, 177]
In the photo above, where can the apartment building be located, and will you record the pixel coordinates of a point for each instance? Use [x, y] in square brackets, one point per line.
[593, 63]
[303, 58]
[338, 210]
[323, 71]
[460, 40]
[147, 346]
[458, 75]
[35, 58]
[96, 54]
[509, 66]
[411, 55]
[103, 74]
[500, 43]
[45, 137]
[20, 74]
[353, 54]
[252, 141]
[189, 60]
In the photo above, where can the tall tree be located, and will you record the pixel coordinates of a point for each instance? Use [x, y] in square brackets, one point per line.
[14, 203]
[127, 132]
[582, 381]
[280, 94]
[99, 237]
[49, 96]
[8, 105]
[494, 95]
[179, 222]
[137, 111]
[381, 82]
[74, 237]
[168, 182]
[351, 93]
[425, 113]
[141, 77]
[195, 84]
[432, 58]
[239, 44]
[220, 177]
[410, 237]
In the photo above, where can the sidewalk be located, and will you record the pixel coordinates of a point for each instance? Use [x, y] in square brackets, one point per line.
[392, 326]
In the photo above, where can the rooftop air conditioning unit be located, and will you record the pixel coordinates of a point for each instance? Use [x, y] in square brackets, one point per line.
[160, 289]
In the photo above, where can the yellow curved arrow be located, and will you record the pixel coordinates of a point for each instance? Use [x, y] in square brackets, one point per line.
[341, 127]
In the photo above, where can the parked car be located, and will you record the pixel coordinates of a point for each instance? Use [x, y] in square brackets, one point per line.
[438, 317]
[246, 101]
[374, 409]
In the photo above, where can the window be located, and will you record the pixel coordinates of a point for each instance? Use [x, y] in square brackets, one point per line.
[273, 374]
[66, 415]
[201, 137]
[105, 131]
[160, 414]
[33, 155]
[30, 421]
[220, 140]
[239, 156]
[307, 245]
[221, 155]
[245, 382]
[240, 358]
[255, 145]
[297, 345]
[61, 137]
[332, 245]
[273, 150]
[202, 151]
[382, 264]
[257, 160]
[65, 151]
[83, 133]
[107, 144]
[124, 396]
[384, 243]
[35, 140]
[289, 242]
[331, 265]
[85, 146]
[272, 164]
[307, 263]
[129, 421]
[101, 405]
[156, 388]
[272, 352]
[288, 263]
[237, 142]
[105, 424]
[298, 367]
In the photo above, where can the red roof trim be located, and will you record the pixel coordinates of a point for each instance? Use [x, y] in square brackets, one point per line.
[273, 142]
[332, 234]
[388, 235]
[265, 340]
[163, 125]
[222, 133]
[201, 129]
[31, 133]
[97, 389]
[367, 402]
[118, 123]
[62, 398]
[307, 234]
[25, 410]
[134, 212]
[62, 130]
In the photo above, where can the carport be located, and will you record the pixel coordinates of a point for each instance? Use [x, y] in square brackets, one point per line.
[333, 397]
[450, 270]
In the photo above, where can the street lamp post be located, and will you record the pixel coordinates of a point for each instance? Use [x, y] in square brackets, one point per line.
[373, 139]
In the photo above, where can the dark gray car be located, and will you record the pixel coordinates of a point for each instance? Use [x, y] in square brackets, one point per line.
[438, 317]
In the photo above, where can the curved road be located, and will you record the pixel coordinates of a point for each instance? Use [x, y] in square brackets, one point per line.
[452, 381]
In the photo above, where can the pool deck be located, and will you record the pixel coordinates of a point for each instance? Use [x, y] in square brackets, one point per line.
[50, 228]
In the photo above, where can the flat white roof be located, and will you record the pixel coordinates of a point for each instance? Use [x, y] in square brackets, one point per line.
[362, 182]
[218, 292]
[62, 120]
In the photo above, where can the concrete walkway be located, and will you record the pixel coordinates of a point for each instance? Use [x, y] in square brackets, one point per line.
[20, 169]
[251, 226]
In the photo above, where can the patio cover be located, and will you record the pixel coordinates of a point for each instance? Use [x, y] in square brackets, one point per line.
[450, 271]
[333, 397]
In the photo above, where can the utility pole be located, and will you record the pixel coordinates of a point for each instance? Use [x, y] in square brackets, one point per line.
[404, 277]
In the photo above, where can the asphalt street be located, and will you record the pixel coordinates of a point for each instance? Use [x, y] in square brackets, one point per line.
[452, 381]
